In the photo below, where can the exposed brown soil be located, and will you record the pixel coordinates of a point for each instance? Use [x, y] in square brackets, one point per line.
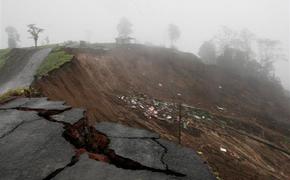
[94, 80]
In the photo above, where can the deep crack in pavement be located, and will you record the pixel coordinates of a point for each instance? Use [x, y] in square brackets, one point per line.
[91, 140]
[88, 139]
[96, 142]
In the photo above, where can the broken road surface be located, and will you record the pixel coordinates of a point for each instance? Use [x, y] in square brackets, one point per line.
[32, 146]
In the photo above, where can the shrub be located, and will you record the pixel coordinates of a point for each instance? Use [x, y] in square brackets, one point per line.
[25, 92]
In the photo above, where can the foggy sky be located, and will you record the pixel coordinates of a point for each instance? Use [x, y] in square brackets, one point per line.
[198, 21]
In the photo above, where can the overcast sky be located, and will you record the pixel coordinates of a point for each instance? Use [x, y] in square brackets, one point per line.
[198, 20]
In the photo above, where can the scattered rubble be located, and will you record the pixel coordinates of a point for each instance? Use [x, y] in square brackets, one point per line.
[223, 149]
[220, 108]
[165, 111]
[199, 152]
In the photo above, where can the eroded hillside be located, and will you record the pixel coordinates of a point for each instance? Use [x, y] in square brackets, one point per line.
[239, 126]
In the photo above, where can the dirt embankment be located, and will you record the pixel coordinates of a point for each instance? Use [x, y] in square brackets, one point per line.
[94, 80]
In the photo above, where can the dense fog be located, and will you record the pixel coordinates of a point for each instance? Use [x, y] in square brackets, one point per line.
[198, 21]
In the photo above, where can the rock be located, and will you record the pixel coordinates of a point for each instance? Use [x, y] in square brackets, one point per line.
[33, 151]
[88, 169]
[196, 117]
[223, 149]
[71, 116]
[118, 130]
[35, 103]
[11, 119]
[186, 161]
[220, 108]
[145, 151]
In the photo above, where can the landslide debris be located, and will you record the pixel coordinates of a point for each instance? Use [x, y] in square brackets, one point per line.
[242, 109]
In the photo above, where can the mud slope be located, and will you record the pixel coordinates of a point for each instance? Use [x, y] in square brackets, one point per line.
[20, 68]
[249, 118]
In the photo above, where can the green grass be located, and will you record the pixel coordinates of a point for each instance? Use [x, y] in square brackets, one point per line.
[3, 56]
[53, 61]
[49, 46]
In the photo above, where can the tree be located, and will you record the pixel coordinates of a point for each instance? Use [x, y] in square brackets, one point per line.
[207, 52]
[124, 28]
[13, 36]
[236, 51]
[233, 60]
[269, 53]
[226, 38]
[247, 39]
[243, 53]
[34, 31]
[240, 40]
[174, 33]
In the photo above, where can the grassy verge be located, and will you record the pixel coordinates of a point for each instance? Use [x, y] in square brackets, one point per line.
[53, 61]
[49, 46]
[3, 56]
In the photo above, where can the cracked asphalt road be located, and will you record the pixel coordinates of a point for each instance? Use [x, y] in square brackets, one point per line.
[146, 147]
[32, 147]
